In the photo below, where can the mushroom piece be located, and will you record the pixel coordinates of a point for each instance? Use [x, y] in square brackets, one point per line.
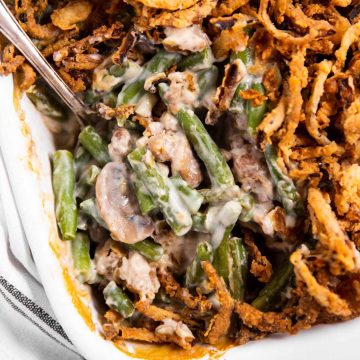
[118, 205]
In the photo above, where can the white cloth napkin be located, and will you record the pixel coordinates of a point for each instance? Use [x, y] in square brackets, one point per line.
[28, 328]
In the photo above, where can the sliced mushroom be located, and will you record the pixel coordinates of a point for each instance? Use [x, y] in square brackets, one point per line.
[118, 205]
[122, 142]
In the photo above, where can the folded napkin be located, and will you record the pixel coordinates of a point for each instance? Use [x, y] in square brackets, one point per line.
[28, 326]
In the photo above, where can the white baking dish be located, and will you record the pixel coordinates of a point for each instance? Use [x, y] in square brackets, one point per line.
[26, 145]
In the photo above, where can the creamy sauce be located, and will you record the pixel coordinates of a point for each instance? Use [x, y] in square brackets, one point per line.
[172, 327]
[190, 38]
[122, 142]
[183, 91]
[145, 105]
[220, 217]
[140, 276]
[179, 209]
[104, 82]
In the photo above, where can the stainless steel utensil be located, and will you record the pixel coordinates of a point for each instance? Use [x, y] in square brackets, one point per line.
[14, 33]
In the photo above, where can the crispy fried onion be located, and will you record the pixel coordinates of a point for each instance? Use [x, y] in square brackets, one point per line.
[351, 126]
[230, 38]
[311, 152]
[65, 39]
[281, 35]
[326, 298]
[25, 12]
[174, 290]
[186, 17]
[227, 7]
[271, 123]
[170, 331]
[336, 246]
[304, 170]
[260, 266]
[311, 120]
[347, 197]
[342, 3]
[297, 81]
[270, 322]
[255, 96]
[122, 111]
[295, 14]
[155, 313]
[27, 77]
[127, 44]
[73, 13]
[76, 84]
[169, 5]
[83, 62]
[101, 34]
[351, 35]
[10, 62]
[220, 323]
[234, 72]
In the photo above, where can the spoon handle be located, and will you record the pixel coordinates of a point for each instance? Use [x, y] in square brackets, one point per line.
[14, 33]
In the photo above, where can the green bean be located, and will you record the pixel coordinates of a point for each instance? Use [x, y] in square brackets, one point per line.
[117, 300]
[197, 61]
[247, 202]
[91, 97]
[207, 80]
[86, 181]
[109, 99]
[286, 190]
[230, 262]
[89, 207]
[95, 145]
[280, 279]
[217, 220]
[221, 256]
[245, 56]
[80, 250]
[133, 125]
[161, 190]
[207, 150]
[148, 248]
[195, 273]
[238, 268]
[64, 190]
[146, 203]
[199, 223]
[117, 70]
[238, 104]
[255, 114]
[216, 195]
[190, 197]
[134, 90]
[82, 160]
[109, 78]
[46, 103]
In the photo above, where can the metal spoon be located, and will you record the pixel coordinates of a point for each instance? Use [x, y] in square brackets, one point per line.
[10, 28]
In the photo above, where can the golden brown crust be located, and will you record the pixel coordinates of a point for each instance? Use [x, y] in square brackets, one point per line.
[186, 17]
[326, 298]
[260, 266]
[220, 323]
[174, 290]
[270, 322]
[10, 62]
